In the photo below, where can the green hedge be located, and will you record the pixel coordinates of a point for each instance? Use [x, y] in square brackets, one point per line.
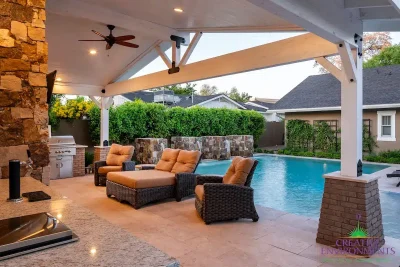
[391, 156]
[138, 119]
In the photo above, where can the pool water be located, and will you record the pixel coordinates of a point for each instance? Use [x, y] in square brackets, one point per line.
[296, 186]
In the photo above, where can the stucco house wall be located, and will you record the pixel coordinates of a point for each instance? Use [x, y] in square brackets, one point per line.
[367, 114]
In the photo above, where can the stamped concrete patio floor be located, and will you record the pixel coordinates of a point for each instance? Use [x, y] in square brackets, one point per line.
[277, 239]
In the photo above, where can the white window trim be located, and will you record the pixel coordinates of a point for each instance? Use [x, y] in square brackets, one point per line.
[392, 136]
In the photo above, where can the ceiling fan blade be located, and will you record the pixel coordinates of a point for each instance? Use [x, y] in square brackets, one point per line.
[124, 38]
[108, 46]
[127, 44]
[92, 40]
[99, 34]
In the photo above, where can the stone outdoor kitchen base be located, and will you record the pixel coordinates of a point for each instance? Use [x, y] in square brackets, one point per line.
[346, 203]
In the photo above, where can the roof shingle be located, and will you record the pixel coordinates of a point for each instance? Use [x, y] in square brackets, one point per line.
[381, 86]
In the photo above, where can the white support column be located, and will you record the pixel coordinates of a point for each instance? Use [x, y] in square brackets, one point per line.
[104, 104]
[351, 113]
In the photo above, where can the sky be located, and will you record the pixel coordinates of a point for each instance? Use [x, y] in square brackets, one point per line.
[267, 83]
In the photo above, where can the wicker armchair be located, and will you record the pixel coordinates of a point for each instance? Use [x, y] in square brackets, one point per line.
[117, 160]
[222, 201]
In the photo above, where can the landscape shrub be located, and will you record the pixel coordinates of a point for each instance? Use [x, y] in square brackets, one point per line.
[138, 119]
[390, 156]
[89, 158]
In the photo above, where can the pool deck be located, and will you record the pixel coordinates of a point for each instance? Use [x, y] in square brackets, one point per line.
[277, 239]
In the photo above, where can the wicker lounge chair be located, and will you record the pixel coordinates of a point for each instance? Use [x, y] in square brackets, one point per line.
[220, 198]
[172, 177]
[395, 174]
[118, 159]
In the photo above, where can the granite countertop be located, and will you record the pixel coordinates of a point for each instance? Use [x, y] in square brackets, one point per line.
[101, 243]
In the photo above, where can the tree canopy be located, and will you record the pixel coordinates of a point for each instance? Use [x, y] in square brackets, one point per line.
[388, 56]
[237, 96]
[206, 89]
[373, 44]
[179, 89]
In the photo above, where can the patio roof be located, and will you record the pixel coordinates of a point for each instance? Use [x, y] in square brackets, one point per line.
[153, 22]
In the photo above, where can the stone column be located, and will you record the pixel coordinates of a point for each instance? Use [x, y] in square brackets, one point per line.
[349, 203]
[101, 152]
[23, 92]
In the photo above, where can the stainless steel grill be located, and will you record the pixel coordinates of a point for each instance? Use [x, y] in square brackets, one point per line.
[62, 150]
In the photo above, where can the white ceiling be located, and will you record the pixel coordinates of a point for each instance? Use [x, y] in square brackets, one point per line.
[198, 14]
[71, 58]
[153, 21]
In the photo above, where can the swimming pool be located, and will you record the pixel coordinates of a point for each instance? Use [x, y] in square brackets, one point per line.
[296, 185]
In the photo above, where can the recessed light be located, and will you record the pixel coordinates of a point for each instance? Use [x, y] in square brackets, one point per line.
[93, 52]
[93, 251]
[179, 10]
[58, 79]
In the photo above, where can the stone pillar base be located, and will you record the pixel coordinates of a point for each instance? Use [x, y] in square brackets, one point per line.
[351, 217]
[101, 152]
[216, 147]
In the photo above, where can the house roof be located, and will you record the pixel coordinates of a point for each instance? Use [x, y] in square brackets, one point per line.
[253, 107]
[260, 103]
[185, 100]
[381, 86]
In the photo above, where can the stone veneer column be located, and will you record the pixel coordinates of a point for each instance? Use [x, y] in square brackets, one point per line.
[101, 152]
[23, 92]
[216, 147]
[186, 143]
[79, 162]
[347, 202]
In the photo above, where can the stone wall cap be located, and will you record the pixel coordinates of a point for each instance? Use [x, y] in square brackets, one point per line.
[80, 146]
[102, 146]
[365, 178]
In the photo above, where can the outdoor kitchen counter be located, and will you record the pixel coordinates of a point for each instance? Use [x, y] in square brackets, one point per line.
[100, 244]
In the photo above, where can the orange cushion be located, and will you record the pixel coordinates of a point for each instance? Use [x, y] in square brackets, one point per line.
[142, 179]
[238, 171]
[199, 191]
[107, 169]
[168, 159]
[187, 161]
[118, 154]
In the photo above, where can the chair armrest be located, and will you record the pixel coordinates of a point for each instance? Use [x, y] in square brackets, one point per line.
[128, 166]
[185, 184]
[232, 191]
[202, 179]
[99, 164]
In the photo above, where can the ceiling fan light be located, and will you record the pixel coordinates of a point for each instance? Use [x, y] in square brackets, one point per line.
[93, 52]
[178, 9]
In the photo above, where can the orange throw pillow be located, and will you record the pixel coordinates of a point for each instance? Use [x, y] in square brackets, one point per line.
[187, 161]
[118, 154]
[238, 171]
[168, 159]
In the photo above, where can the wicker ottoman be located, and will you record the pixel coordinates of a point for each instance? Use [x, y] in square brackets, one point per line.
[141, 187]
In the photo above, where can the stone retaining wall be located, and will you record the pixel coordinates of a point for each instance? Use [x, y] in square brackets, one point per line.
[216, 147]
[241, 145]
[346, 204]
[149, 150]
[186, 143]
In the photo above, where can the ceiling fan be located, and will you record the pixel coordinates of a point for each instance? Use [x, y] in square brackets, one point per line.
[111, 39]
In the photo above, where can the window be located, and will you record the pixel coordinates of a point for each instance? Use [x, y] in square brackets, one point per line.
[386, 126]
